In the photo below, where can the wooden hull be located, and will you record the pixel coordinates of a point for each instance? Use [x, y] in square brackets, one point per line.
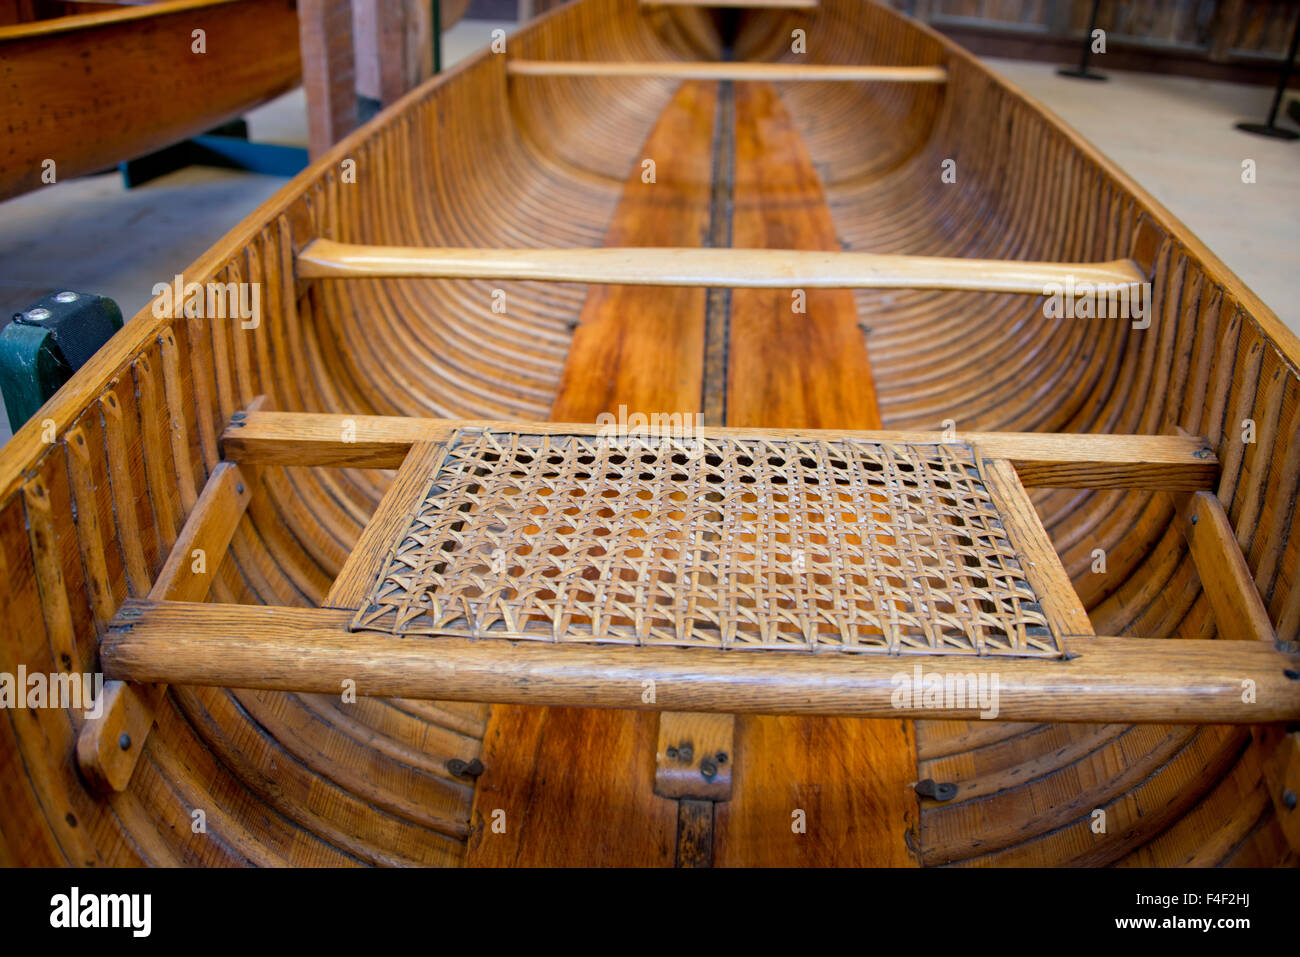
[93, 90]
[475, 159]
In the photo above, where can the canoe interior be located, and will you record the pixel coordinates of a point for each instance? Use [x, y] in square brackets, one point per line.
[476, 160]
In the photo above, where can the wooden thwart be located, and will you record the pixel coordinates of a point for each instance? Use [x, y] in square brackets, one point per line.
[737, 268]
[312, 650]
[1172, 463]
[774, 72]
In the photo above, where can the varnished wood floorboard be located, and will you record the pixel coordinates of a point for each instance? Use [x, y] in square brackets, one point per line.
[576, 786]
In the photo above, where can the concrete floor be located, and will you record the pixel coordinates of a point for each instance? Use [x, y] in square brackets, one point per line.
[1175, 136]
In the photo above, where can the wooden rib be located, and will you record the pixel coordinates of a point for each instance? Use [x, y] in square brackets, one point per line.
[1229, 585]
[768, 72]
[739, 268]
[1042, 460]
[110, 745]
[291, 649]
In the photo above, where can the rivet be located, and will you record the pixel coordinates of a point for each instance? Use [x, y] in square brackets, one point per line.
[124, 742]
[708, 770]
[1289, 799]
[1194, 517]
[722, 757]
[66, 297]
[686, 752]
[239, 487]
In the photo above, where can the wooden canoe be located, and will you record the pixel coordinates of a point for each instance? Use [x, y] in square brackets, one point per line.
[477, 254]
[110, 82]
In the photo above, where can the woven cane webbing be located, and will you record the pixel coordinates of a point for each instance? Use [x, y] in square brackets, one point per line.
[713, 542]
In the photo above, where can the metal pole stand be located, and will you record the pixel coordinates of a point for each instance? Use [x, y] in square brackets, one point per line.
[1271, 128]
[1082, 72]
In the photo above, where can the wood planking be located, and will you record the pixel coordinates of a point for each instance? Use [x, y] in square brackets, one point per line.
[578, 784]
[850, 779]
[641, 347]
[789, 369]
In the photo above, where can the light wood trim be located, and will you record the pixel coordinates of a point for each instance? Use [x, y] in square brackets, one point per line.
[367, 557]
[1060, 460]
[312, 650]
[771, 72]
[737, 268]
[1043, 567]
[128, 709]
[1238, 609]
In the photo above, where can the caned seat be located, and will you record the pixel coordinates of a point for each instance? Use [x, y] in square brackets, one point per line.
[753, 545]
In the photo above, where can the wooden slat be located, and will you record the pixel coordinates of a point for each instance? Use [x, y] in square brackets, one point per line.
[367, 557]
[771, 72]
[313, 650]
[739, 268]
[1042, 459]
[1043, 567]
[1238, 610]
[110, 746]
